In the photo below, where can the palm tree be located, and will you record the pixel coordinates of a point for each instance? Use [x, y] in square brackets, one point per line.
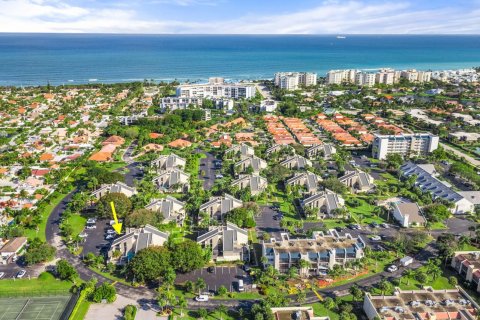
[182, 303]
[221, 309]
[384, 285]
[409, 273]
[200, 284]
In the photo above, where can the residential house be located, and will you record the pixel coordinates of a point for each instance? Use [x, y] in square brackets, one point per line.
[257, 164]
[408, 214]
[172, 180]
[358, 181]
[134, 240]
[256, 183]
[167, 162]
[10, 250]
[323, 251]
[117, 187]
[325, 150]
[308, 180]
[217, 207]
[324, 202]
[171, 208]
[180, 144]
[239, 151]
[296, 162]
[228, 242]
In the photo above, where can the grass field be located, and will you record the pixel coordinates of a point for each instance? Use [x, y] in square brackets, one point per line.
[37, 308]
[44, 283]
[78, 223]
[54, 201]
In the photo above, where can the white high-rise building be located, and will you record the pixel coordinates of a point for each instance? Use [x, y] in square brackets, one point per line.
[217, 88]
[405, 144]
[341, 76]
[385, 76]
[293, 80]
[365, 79]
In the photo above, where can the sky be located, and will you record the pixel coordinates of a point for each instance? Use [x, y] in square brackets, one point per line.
[242, 16]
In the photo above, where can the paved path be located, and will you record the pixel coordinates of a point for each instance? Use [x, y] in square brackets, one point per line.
[459, 153]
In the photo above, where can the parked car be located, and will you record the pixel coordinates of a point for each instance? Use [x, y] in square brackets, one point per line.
[375, 238]
[83, 235]
[219, 176]
[241, 288]
[91, 221]
[91, 226]
[109, 236]
[21, 273]
[339, 229]
[201, 298]
[2, 274]
[392, 268]
[384, 225]
[111, 231]
[211, 269]
[374, 225]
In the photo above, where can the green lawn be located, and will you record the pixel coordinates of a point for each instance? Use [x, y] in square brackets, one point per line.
[115, 165]
[81, 311]
[54, 201]
[364, 213]
[241, 296]
[46, 282]
[78, 223]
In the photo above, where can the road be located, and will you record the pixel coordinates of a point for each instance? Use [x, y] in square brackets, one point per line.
[207, 166]
[127, 155]
[459, 153]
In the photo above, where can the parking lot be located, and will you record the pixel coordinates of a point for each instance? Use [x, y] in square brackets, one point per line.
[267, 223]
[227, 276]
[95, 241]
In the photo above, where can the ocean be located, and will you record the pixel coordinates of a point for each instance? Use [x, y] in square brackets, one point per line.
[38, 59]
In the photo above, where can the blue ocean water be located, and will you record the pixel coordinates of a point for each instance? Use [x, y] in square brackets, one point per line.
[31, 59]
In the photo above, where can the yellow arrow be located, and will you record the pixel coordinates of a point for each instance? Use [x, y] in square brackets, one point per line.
[116, 226]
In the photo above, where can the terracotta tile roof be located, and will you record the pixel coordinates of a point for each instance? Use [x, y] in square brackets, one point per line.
[180, 143]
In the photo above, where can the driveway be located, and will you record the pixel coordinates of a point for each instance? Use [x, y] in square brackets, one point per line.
[227, 276]
[113, 311]
[134, 173]
[266, 223]
[207, 166]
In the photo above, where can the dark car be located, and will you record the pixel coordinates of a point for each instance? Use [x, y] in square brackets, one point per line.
[339, 229]
[211, 269]
[374, 225]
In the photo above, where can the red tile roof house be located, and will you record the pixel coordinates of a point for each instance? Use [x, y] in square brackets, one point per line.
[115, 140]
[180, 143]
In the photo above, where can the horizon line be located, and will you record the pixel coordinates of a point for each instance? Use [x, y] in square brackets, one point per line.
[247, 34]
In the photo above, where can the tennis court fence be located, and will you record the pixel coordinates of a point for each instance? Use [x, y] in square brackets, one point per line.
[33, 293]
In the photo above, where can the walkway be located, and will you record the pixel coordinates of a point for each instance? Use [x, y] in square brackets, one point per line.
[459, 153]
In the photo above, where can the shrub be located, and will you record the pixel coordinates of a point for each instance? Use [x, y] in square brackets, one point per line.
[104, 291]
[130, 312]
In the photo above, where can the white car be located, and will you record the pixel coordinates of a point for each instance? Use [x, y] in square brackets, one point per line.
[21, 273]
[375, 238]
[2, 274]
[91, 226]
[91, 221]
[111, 231]
[219, 176]
[202, 298]
[109, 237]
[83, 235]
[392, 268]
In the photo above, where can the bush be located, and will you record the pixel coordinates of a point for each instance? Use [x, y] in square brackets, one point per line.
[39, 252]
[104, 291]
[130, 312]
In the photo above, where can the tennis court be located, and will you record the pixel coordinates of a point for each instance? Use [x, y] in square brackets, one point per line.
[34, 308]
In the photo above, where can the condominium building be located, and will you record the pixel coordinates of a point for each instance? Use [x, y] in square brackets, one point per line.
[416, 76]
[293, 80]
[322, 251]
[467, 265]
[176, 103]
[463, 201]
[405, 144]
[385, 76]
[341, 76]
[217, 88]
[422, 304]
[365, 79]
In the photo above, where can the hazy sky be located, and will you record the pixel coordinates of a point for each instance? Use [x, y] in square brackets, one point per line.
[242, 16]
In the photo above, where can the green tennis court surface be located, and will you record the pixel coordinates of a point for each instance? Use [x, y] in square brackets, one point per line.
[37, 308]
